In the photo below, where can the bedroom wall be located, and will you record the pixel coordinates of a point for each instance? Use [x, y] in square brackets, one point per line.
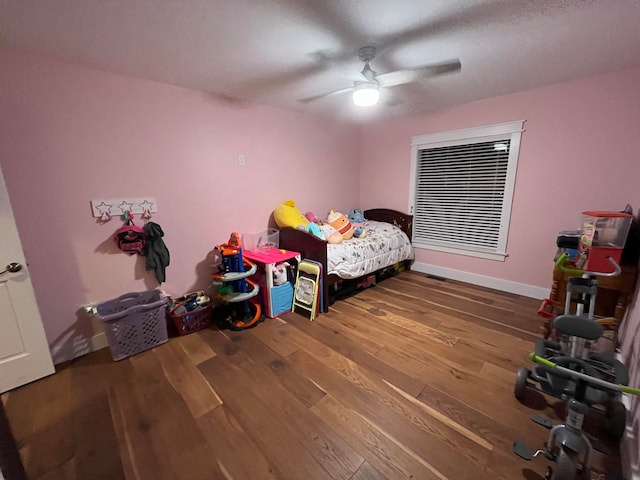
[72, 134]
[577, 153]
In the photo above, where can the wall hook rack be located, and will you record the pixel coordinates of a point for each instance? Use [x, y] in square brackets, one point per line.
[117, 206]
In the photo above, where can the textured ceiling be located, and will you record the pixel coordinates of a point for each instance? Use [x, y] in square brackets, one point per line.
[277, 51]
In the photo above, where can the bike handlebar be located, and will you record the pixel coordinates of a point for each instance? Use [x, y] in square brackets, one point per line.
[593, 380]
[571, 271]
[578, 273]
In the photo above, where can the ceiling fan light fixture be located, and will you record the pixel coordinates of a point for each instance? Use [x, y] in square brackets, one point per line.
[366, 94]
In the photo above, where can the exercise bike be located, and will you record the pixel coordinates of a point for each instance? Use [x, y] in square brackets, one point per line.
[567, 444]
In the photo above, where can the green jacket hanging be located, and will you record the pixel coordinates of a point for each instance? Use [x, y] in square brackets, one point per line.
[157, 254]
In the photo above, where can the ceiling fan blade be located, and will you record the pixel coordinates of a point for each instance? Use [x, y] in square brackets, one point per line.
[329, 94]
[408, 75]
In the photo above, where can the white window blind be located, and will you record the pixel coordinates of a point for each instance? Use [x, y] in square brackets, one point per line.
[462, 186]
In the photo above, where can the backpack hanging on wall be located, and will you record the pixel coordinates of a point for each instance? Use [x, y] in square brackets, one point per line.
[131, 239]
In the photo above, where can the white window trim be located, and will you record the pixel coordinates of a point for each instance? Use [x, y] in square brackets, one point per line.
[462, 136]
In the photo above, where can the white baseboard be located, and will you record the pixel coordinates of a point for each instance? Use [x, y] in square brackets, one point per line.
[483, 280]
[77, 347]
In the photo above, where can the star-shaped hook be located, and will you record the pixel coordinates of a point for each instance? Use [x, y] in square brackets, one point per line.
[103, 208]
[125, 207]
[146, 206]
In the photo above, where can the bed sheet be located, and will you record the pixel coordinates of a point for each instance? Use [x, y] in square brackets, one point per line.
[384, 245]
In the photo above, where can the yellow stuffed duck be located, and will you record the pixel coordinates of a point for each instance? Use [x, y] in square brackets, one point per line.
[287, 215]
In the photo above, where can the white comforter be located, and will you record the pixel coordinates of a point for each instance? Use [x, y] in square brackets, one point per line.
[384, 245]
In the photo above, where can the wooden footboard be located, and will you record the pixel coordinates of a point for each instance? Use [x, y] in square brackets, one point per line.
[315, 249]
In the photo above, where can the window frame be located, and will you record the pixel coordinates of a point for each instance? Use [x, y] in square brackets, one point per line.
[513, 131]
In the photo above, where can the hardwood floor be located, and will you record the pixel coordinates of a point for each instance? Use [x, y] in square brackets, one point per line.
[411, 379]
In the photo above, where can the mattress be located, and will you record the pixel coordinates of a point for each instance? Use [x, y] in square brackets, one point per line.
[384, 245]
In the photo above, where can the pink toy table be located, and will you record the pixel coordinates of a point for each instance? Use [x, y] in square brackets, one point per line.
[277, 299]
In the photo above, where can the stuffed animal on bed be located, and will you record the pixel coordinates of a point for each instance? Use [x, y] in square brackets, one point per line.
[356, 216]
[312, 218]
[341, 223]
[287, 215]
[330, 234]
[359, 232]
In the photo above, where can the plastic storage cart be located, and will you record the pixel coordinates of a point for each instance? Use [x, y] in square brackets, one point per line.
[134, 322]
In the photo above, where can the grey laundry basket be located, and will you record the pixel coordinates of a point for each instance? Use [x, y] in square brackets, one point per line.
[134, 322]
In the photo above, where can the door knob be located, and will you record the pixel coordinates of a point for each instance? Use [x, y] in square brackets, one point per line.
[12, 267]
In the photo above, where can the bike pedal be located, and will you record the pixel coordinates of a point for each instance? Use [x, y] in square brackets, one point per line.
[522, 450]
[540, 420]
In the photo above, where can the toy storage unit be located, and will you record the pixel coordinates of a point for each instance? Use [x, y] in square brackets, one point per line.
[603, 235]
[276, 299]
[134, 322]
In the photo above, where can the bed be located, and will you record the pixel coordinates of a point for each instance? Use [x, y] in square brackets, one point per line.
[386, 247]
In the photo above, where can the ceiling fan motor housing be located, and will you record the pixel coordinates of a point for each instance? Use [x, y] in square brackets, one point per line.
[367, 53]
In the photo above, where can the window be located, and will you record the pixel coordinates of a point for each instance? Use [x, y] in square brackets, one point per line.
[461, 189]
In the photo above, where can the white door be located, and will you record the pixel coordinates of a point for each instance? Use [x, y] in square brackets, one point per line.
[24, 352]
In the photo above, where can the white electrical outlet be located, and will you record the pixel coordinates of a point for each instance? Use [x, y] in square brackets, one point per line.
[241, 159]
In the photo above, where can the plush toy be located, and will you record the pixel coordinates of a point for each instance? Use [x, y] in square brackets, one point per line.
[325, 231]
[359, 232]
[287, 215]
[341, 223]
[356, 216]
[280, 273]
[331, 235]
[312, 218]
[314, 229]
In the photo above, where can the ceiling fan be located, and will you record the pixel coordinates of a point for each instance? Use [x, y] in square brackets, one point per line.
[367, 91]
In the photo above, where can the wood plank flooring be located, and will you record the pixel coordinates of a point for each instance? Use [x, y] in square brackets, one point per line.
[411, 379]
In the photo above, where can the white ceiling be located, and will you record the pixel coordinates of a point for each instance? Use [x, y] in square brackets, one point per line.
[277, 51]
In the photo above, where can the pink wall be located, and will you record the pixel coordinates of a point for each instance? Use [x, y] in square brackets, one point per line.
[71, 134]
[579, 151]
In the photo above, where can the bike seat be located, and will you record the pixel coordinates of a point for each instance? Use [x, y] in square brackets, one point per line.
[576, 326]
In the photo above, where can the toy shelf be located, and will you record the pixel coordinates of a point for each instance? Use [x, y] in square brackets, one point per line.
[241, 296]
[233, 276]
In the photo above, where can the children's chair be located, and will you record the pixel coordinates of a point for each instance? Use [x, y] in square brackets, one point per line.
[306, 292]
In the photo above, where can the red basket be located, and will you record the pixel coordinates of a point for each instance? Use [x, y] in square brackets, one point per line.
[192, 321]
